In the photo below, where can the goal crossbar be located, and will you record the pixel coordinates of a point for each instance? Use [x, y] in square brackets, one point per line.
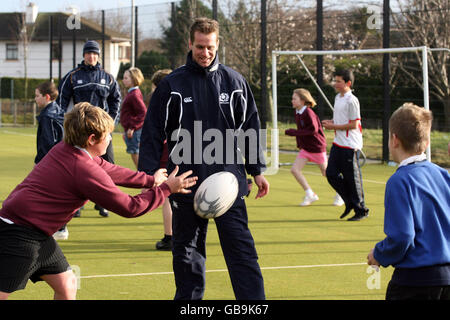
[424, 50]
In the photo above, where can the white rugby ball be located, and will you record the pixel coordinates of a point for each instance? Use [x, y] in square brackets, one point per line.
[215, 195]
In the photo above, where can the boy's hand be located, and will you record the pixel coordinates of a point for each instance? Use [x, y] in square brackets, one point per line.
[371, 261]
[130, 133]
[160, 177]
[182, 182]
[328, 124]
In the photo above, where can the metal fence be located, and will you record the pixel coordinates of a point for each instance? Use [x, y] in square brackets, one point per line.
[290, 25]
[17, 113]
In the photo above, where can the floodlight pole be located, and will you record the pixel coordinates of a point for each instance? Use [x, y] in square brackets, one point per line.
[274, 91]
[426, 99]
[263, 57]
[319, 46]
[133, 53]
[275, 161]
[386, 84]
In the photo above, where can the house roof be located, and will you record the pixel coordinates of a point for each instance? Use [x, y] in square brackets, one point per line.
[10, 28]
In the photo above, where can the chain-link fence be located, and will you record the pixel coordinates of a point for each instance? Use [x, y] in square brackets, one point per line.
[161, 41]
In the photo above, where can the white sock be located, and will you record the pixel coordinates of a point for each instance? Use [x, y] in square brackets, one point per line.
[309, 192]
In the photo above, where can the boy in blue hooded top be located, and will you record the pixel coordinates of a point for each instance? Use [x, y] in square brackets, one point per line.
[50, 120]
[417, 213]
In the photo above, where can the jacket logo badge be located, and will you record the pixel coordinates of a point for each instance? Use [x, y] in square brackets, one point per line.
[103, 81]
[79, 81]
[187, 99]
[224, 98]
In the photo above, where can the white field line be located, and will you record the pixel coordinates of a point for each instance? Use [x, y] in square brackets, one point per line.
[19, 133]
[34, 135]
[281, 168]
[224, 270]
[319, 174]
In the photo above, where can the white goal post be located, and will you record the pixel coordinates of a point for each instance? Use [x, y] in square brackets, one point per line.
[424, 50]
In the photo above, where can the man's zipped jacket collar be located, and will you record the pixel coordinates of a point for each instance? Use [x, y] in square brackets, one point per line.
[191, 64]
[87, 67]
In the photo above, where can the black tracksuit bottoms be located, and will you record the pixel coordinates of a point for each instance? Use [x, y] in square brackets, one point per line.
[344, 175]
[238, 247]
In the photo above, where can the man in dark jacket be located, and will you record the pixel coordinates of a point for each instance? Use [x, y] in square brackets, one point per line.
[195, 100]
[89, 82]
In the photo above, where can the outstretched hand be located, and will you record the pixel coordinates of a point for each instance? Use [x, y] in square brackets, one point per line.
[179, 184]
[328, 124]
[160, 177]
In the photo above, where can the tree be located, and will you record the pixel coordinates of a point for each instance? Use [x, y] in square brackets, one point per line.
[427, 23]
[176, 36]
[148, 62]
[151, 61]
[24, 31]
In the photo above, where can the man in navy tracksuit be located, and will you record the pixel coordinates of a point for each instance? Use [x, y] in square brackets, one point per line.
[89, 82]
[199, 108]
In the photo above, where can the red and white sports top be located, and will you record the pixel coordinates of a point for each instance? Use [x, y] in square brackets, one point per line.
[346, 109]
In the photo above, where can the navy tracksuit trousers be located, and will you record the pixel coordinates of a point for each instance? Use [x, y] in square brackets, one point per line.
[238, 247]
[344, 175]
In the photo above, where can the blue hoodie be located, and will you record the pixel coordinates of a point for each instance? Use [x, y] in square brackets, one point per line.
[197, 110]
[50, 129]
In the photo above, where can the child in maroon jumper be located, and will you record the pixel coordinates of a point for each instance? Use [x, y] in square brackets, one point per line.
[66, 178]
[310, 140]
[132, 113]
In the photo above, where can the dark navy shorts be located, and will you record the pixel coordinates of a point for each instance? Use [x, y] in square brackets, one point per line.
[27, 253]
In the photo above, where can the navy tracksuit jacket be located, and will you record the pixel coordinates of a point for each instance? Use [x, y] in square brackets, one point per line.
[50, 129]
[90, 84]
[94, 85]
[189, 108]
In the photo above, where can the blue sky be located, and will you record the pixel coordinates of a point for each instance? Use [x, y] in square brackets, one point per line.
[84, 5]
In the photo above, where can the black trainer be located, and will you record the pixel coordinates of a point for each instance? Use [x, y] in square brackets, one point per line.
[165, 244]
[346, 212]
[102, 211]
[359, 215]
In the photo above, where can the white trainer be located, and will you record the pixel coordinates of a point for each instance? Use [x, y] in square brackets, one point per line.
[307, 200]
[338, 202]
[61, 234]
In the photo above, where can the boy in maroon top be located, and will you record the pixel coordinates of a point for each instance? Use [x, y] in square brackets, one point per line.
[310, 140]
[71, 174]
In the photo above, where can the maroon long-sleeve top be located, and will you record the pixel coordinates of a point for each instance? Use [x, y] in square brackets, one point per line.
[309, 132]
[132, 113]
[66, 178]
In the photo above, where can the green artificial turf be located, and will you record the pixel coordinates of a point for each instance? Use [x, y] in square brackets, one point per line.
[304, 252]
